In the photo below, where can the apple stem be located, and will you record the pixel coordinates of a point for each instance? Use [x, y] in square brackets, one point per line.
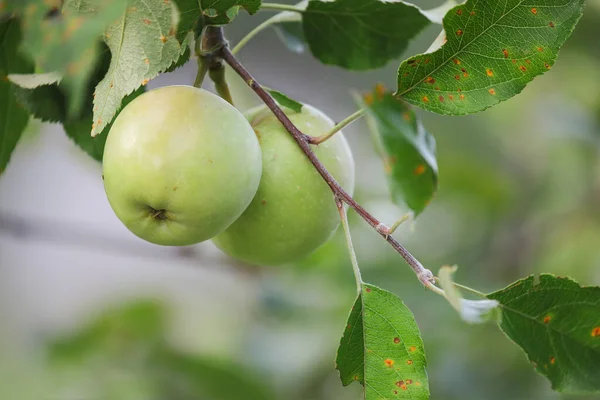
[338, 127]
[349, 244]
[207, 46]
[424, 275]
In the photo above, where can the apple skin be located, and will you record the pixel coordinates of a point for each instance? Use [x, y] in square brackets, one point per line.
[293, 212]
[180, 165]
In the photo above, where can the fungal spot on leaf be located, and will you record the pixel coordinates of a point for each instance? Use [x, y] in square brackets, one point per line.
[395, 392]
[174, 188]
[396, 340]
[368, 290]
[430, 80]
[528, 62]
[146, 21]
[551, 24]
[441, 98]
[547, 65]
[145, 81]
[462, 96]
[409, 362]
[263, 202]
[409, 381]
[523, 68]
[459, 32]
[355, 377]
[451, 97]
[399, 383]
[111, 85]
[534, 10]
[540, 49]
[472, 13]
[147, 61]
[388, 362]
[163, 38]
[547, 319]
[505, 52]
[489, 72]
[465, 73]
[492, 91]
[420, 169]
[459, 11]
[427, 60]
[425, 99]
[369, 99]
[412, 349]
[596, 332]
[552, 360]
[456, 61]
[457, 77]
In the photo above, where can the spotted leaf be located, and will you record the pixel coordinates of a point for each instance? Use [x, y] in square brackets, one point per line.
[143, 43]
[407, 149]
[382, 348]
[493, 49]
[557, 323]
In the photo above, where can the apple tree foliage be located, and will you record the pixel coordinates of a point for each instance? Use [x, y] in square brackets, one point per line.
[79, 62]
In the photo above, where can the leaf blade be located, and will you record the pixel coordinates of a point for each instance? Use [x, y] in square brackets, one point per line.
[392, 349]
[490, 54]
[360, 34]
[407, 149]
[539, 317]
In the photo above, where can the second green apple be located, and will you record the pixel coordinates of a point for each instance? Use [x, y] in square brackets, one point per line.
[293, 212]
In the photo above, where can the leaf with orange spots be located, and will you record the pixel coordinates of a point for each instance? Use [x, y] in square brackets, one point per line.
[382, 348]
[557, 323]
[493, 49]
[140, 51]
[65, 42]
[13, 117]
[407, 149]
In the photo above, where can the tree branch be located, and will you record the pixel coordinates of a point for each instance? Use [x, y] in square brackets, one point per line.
[424, 275]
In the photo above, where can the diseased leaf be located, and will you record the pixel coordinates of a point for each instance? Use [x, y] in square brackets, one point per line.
[407, 149]
[13, 117]
[285, 101]
[360, 34]
[181, 61]
[382, 348]
[66, 41]
[143, 43]
[222, 12]
[494, 49]
[557, 323]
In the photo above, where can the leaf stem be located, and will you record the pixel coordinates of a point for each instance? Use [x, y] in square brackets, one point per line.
[281, 7]
[253, 33]
[470, 290]
[349, 245]
[201, 74]
[338, 127]
[424, 275]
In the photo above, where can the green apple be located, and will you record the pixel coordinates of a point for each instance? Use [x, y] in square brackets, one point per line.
[293, 212]
[180, 165]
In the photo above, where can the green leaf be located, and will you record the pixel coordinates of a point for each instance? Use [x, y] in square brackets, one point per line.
[66, 42]
[557, 323]
[181, 61]
[407, 149]
[360, 34]
[471, 311]
[222, 12]
[291, 34]
[285, 101]
[13, 117]
[143, 43]
[46, 103]
[493, 50]
[189, 14]
[382, 348]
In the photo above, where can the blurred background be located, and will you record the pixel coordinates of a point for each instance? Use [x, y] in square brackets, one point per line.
[88, 311]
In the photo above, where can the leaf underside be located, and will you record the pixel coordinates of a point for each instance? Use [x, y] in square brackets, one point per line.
[493, 49]
[557, 323]
[407, 149]
[382, 348]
